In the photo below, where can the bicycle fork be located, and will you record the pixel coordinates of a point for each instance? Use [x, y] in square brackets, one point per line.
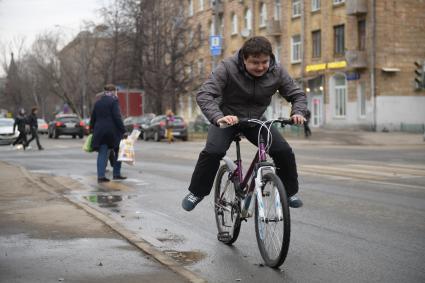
[259, 194]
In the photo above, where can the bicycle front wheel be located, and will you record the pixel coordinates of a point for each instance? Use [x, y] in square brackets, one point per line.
[226, 207]
[273, 232]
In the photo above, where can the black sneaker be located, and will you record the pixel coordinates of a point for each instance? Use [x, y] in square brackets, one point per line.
[190, 201]
[102, 180]
[119, 177]
[295, 202]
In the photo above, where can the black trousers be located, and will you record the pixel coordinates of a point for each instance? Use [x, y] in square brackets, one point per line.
[22, 138]
[34, 135]
[218, 142]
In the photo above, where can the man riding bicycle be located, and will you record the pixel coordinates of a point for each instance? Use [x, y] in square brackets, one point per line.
[242, 87]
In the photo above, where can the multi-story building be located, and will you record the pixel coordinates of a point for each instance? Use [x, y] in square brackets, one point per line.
[355, 59]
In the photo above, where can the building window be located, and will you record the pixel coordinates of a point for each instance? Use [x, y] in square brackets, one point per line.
[315, 5]
[339, 46]
[335, 2]
[190, 8]
[296, 8]
[234, 23]
[361, 28]
[340, 92]
[248, 19]
[296, 49]
[278, 51]
[317, 43]
[212, 30]
[201, 5]
[263, 15]
[221, 25]
[201, 68]
[277, 10]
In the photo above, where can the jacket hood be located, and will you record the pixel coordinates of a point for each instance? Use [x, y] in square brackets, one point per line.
[238, 57]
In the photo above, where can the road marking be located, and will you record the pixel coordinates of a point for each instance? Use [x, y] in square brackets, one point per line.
[377, 174]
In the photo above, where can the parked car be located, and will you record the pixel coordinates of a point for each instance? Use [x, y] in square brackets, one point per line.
[156, 128]
[86, 126]
[6, 131]
[139, 122]
[66, 124]
[42, 126]
[201, 123]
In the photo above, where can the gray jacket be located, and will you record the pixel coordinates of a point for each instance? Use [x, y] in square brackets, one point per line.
[231, 90]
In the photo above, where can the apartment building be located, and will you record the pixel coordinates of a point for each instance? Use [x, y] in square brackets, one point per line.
[355, 59]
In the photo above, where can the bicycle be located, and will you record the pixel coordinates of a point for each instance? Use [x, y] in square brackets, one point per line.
[232, 199]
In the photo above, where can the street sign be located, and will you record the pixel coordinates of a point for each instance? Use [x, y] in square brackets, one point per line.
[215, 45]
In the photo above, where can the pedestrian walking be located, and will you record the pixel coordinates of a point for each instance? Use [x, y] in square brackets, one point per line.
[169, 123]
[108, 130]
[32, 122]
[20, 123]
[242, 86]
[307, 131]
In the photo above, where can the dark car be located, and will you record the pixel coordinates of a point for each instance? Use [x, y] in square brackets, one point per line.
[66, 124]
[156, 128]
[139, 122]
[201, 124]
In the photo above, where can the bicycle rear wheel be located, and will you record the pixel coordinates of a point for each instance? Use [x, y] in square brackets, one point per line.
[226, 207]
[273, 234]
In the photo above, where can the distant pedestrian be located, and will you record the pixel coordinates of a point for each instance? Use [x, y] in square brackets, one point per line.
[20, 123]
[32, 122]
[108, 130]
[169, 123]
[307, 131]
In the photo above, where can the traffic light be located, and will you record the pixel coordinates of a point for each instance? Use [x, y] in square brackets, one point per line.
[419, 75]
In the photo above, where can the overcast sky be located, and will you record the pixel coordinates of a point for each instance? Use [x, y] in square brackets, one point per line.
[27, 18]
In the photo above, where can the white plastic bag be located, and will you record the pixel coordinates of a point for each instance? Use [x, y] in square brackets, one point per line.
[126, 152]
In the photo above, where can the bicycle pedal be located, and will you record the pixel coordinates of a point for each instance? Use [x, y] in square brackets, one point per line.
[224, 236]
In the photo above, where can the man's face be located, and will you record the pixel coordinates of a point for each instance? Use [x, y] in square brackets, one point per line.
[258, 65]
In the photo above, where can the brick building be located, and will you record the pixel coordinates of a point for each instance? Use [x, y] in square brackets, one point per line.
[355, 59]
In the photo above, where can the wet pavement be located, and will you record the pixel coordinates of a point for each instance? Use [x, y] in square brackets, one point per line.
[358, 207]
[44, 238]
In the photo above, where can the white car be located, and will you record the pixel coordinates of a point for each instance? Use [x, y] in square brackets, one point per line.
[6, 131]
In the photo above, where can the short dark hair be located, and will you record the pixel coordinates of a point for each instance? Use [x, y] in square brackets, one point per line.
[109, 87]
[256, 46]
[35, 108]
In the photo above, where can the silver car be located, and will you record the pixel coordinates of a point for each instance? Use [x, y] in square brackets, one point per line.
[6, 131]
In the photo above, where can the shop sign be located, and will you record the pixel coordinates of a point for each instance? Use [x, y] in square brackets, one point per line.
[315, 67]
[337, 65]
[352, 76]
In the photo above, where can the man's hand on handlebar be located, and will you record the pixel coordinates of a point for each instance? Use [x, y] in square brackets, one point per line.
[228, 120]
[298, 119]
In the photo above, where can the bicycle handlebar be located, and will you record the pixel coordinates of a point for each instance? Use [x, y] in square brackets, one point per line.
[282, 121]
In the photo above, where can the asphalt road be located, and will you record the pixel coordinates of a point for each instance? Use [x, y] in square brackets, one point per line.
[362, 220]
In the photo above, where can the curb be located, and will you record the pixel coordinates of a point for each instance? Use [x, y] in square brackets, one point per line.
[136, 241]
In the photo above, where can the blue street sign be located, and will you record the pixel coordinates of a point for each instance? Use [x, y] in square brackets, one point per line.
[215, 45]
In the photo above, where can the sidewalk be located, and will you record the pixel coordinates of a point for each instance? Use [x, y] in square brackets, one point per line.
[355, 137]
[45, 238]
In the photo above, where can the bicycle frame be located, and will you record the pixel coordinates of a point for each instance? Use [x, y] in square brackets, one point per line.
[259, 158]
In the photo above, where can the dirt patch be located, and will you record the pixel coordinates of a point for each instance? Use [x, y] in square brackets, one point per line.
[186, 257]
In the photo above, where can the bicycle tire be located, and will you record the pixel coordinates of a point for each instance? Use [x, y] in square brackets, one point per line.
[223, 217]
[271, 180]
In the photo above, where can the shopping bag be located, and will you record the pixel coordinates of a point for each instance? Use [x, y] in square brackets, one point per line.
[126, 151]
[134, 135]
[87, 146]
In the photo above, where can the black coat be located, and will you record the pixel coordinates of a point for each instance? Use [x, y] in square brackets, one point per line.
[106, 123]
[20, 122]
[32, 121]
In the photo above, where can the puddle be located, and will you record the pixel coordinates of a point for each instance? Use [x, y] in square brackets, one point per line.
[186, 257]
[105, 200]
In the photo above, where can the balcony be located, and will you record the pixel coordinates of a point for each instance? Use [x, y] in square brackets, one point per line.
[356, 7]
[356, 59]
[273, 28]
